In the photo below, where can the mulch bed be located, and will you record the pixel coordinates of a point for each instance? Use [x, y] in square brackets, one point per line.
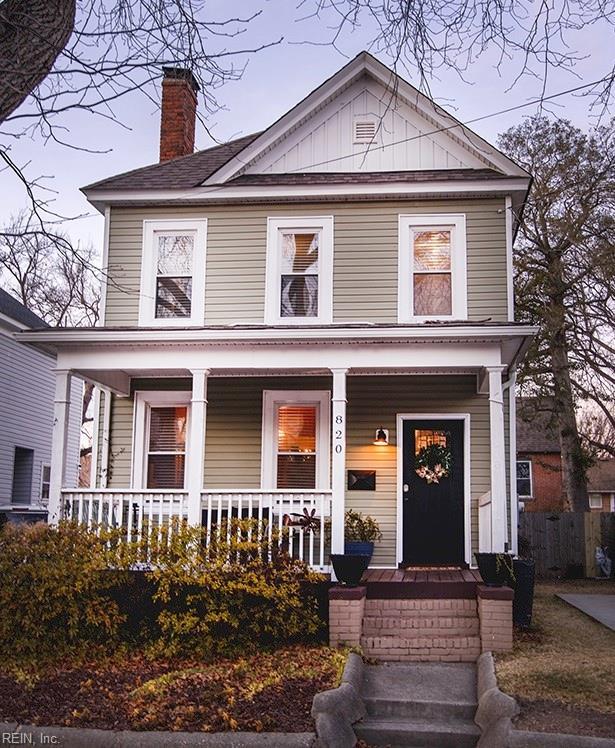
[269, 692]
[551, 716]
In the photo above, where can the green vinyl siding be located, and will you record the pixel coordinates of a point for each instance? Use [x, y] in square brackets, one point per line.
[234, 425]
[365, 257]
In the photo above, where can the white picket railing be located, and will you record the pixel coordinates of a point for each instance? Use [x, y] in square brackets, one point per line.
[280, 508]
[305, 514]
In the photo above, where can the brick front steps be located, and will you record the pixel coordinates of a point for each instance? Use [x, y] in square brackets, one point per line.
[416, 629]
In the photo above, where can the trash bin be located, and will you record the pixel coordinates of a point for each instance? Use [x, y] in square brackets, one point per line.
[524, 592]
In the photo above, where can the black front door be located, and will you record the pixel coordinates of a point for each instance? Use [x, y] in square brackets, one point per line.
[432, 492]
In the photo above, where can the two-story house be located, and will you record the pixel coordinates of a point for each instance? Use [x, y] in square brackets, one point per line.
[27, 384]
[316, 316]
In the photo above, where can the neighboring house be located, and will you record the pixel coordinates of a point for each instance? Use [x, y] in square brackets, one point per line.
[27, 384]
[539, 461]
[539, 467]
[316, 316]
[601, 486]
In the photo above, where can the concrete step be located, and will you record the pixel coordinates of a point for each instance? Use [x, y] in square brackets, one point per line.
[394, 733]
[422, 649]
[384, 708]
[411, 627]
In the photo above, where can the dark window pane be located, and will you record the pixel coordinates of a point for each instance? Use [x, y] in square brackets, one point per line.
[524, 487]
[165, 471]
[432, 294]
[299, 296]
[296, 471]
[167, 431]
[173, 297]
[523, 470]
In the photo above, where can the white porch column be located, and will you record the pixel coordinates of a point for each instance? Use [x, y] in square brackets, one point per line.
[338, 466]
[196, 445]
[61, 415]
[499, 524]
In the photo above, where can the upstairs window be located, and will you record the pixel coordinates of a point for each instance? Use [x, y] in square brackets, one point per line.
[299, 271]
[173, 273]
[432, 268]
[524, 479]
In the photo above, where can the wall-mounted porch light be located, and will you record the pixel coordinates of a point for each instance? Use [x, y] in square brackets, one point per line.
[382, 437]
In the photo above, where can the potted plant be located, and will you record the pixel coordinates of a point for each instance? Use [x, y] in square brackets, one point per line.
[360, 533]
[496, 569]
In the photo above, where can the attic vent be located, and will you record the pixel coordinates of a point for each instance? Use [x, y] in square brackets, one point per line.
[364, 130]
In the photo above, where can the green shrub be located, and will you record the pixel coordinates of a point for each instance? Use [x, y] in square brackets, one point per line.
[234, 593]
[361, 527]
[53, 591]
[65, 589]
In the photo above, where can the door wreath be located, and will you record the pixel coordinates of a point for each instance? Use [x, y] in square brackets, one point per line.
[433, 462]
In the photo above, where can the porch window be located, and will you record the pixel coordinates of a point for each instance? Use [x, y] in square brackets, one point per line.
[166, 457]
[295, 440]
[299, 270]
[432, 273]
[524, 479]
[173, 270]
[296, 448]
[595, 501]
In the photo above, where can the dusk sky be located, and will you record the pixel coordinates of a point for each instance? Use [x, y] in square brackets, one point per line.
[275, 79]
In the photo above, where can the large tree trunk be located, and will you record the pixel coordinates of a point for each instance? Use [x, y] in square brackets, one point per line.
[32, 35]
[574, 479]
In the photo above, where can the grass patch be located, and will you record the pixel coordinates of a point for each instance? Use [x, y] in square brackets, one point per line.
[566, 658]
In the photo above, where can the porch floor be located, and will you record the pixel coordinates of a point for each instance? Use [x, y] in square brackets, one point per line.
[435, 583]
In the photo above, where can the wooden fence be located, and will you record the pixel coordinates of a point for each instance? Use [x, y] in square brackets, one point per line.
[564, 543]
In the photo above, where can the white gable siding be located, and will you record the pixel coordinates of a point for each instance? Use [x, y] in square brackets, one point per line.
[27, 384]
[329, 134]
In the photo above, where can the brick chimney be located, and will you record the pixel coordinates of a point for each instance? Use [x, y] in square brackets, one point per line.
[178, 114]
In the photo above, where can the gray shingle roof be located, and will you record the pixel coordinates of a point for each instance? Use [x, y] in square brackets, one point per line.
[178, 173]
[536, 431]
[11, 307]
[371, 177]
[601, 476]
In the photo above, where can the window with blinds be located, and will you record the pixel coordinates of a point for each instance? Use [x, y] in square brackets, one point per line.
[432, 272]
[299, 274]
[296, 446]
[174, 267]
[166, 457]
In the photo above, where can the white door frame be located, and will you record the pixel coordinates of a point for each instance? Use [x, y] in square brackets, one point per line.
[467, 495]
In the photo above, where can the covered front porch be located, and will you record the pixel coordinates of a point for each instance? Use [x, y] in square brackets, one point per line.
[236, 461]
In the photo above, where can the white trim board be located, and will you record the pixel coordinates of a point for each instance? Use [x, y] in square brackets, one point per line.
[467, 483]
[271, 398]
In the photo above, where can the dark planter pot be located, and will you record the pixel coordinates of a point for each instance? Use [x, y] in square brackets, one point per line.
[349, 569]
[524, 592]
[494, 574]
[359, 548]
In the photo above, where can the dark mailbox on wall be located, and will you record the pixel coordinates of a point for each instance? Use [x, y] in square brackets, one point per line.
[361, 480]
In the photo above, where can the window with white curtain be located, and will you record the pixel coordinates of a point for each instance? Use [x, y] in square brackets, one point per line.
[432, 268]
[173, 273]
[299, 284]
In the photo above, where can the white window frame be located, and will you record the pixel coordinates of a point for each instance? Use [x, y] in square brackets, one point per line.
[144, 400]
[595, 495]
[456, 224]
[530, 496]
[269, 467]
[298, 224]
[40, 492]
[147, 296]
